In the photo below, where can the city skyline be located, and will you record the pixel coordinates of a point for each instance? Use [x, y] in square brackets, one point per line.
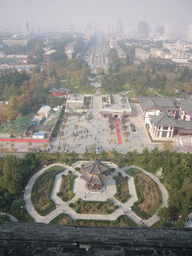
[61, 14]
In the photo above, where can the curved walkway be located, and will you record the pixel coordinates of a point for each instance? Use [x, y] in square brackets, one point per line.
[81, 192]
[12, 218]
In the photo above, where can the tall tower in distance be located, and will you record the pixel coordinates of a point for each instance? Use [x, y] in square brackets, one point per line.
[160, 30]
[143, 29]
[189, 32]
[168, 32]
[119, 29]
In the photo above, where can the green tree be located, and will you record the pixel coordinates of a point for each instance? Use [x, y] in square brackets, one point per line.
[180, 223]
[73, 156]
[112, 55]
[12, 175]
[17, 204]
[86, 156]
[103, 155]
[164, 214]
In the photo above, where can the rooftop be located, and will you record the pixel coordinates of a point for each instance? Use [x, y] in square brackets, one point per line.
[162, 104]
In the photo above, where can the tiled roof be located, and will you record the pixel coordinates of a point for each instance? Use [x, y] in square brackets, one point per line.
[185, 125]
[92, 172]
[162, 104]
[64, 89]
[186, 105]
[164, 120]
[95, 167]
[94, 179]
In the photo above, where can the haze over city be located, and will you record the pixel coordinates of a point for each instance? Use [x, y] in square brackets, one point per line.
[59, 15]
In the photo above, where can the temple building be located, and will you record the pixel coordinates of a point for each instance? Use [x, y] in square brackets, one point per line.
[95, 174]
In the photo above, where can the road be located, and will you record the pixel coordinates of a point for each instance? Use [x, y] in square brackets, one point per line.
[98, 57]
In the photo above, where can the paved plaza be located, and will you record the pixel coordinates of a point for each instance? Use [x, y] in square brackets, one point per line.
[96, 132]
[82, 192]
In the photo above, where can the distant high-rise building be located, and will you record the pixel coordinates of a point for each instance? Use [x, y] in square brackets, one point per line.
[168, 32]
[143, 29]
[119, 29]
[189, 32]
[71, 28]
[160, 30]
[27, 28]
[108, 29]
[88, 27]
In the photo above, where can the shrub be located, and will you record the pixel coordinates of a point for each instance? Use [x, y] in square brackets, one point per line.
[78, 210]
[59, 194]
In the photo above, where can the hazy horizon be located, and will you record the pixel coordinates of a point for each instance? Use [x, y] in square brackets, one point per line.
[60, 14]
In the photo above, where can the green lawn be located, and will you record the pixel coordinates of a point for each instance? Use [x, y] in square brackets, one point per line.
[17, 126]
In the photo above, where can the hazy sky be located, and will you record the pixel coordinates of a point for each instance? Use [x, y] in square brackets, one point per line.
[59, 14]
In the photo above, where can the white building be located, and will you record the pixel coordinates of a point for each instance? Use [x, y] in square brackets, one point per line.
[141, 54]
[44, 111]
[168, 32]
[75, 101]
[120, 107]
[189, 32]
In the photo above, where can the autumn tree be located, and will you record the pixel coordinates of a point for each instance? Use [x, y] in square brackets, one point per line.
[12, 110]
[100, 71]
[167, 145]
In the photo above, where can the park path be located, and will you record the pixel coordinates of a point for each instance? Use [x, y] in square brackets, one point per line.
[81, 192]
[12, 218]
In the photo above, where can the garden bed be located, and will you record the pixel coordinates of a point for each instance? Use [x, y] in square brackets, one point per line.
[149, 195]
[121, 221]
[41, 191]
[122, 194]
[93, 207]
[66, 188]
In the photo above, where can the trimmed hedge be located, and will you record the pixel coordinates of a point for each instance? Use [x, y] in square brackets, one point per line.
[66, 188]
[88, 207]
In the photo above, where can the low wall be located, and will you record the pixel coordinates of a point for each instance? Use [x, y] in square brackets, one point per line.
[24, 140]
